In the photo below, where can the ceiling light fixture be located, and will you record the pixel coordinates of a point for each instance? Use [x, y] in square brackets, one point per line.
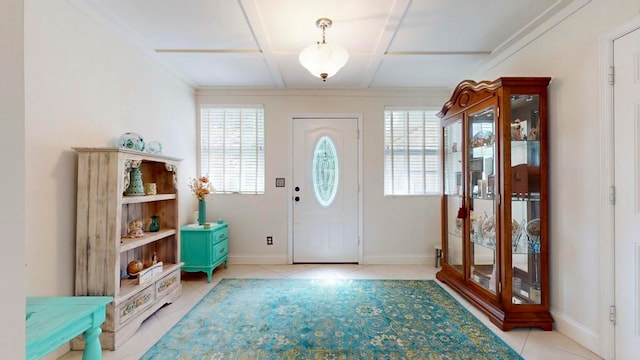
[323, 60]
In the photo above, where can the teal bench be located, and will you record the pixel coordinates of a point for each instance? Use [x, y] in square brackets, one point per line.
[53, 321]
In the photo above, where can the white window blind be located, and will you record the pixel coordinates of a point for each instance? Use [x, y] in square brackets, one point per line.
[232, 148]
[411, 152]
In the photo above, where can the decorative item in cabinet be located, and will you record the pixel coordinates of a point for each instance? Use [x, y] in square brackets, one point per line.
[495, 237]
[155, 224]
[115, 228]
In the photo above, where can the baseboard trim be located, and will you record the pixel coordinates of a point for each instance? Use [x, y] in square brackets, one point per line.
[580, 334]
[399, 259]
[252, 259]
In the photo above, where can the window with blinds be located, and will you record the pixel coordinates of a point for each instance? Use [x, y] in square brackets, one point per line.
[232, 148]
[411, 152]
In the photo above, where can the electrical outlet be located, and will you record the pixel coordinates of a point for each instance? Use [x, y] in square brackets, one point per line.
[269, 240]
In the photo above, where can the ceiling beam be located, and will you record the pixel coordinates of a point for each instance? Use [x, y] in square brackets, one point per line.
[256, 25]
[396, 15]
[210, 51]
[436, 53]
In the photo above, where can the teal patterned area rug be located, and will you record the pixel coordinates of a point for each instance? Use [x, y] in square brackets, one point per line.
[329, 319]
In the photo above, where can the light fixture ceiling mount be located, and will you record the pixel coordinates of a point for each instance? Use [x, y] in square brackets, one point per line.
[321, 59]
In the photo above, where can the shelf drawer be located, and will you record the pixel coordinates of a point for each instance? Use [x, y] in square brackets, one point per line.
[137, 304]
[220, 249]
[165, 285]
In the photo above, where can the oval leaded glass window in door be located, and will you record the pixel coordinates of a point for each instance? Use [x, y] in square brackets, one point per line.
[325, 171]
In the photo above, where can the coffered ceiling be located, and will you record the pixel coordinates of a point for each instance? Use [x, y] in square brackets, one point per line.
[391, 43]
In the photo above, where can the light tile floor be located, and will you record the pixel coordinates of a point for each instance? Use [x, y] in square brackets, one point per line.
[532, 344]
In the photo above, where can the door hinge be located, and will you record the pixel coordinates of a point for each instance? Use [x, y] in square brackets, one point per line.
[357, 134]
[612, 75]
[612, 195]
[499, 287]
[358, 240]
[612, 314]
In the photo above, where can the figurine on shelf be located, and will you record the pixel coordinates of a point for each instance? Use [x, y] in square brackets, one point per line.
[135, 230]
[516, 130]
[533, 133]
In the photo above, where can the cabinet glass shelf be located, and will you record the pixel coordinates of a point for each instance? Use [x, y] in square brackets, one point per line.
[484, 243]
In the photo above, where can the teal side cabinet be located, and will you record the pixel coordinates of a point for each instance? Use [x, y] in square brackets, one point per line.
[204, 249]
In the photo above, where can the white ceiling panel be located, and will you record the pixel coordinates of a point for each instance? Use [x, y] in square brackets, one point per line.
[392, 43]
[226, 70]
[479, 25]
[357, 24]
[192, 24]
[412, 71]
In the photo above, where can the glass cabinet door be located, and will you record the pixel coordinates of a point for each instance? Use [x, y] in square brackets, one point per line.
[453, 198]
[525, 199]
[482, 180]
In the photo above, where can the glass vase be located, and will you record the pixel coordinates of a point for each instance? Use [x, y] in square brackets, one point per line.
[155, 225]
[202, 212]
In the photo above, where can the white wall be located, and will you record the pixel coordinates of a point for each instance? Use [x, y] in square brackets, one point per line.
[12, 191]
[86, 85]
[569, 54]
[396, 229]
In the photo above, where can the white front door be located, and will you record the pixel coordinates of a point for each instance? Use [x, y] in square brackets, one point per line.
[627, 182]
[325, 190]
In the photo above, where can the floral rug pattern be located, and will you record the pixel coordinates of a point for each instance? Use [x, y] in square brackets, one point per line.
[329, 319]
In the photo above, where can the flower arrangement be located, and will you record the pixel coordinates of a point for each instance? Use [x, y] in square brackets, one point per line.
[201, 187]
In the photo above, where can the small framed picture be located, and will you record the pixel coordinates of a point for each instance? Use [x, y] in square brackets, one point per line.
[279, 182]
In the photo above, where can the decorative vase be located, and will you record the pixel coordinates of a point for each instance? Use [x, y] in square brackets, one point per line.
[155, 225]
[136, 188]
[132, 141]
[153, 147]
[202, 212]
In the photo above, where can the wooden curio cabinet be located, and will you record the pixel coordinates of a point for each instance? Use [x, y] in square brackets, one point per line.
[495, 199]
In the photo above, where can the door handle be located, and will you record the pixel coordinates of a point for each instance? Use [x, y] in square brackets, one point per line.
[297, 198]
[297, 188]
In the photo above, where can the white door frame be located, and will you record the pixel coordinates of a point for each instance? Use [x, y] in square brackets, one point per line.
[312, 116]
[607, 171]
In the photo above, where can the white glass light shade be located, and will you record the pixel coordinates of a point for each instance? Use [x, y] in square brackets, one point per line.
[324, 58]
